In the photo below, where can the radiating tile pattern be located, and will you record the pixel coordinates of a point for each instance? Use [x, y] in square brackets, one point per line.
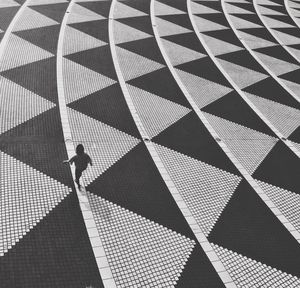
[239, 63]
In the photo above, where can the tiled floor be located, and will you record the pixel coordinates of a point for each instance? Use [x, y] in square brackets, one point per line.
[190, 111]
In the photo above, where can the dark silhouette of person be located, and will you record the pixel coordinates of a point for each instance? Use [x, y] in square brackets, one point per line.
[81, 160]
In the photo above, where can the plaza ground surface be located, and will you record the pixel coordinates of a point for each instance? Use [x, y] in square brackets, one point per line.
[190, 111]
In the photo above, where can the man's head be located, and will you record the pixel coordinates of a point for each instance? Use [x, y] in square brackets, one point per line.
[79, 149]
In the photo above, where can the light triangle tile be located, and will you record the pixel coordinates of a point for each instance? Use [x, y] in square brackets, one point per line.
[80, 14]
[294, 87]
[123, 11]
[201, 90]
[155, 112]
[103, 143]
[80, 81]
[239, 23]
[198, 8]
[248, 273]
[76, 41]
[19, 52]
[206, 25]
[27, 197]
[133, 65]
[30, 19]
[286, 201]
[163, 9]
[124, 33]
[44, 2]
[19, 105]
[286, 119]
[268, 2]
[154, 256]
[294, 52]
[266, 11]
[249, 146]
[277, 66]
[8, 3]
[240, 75]
[178, 54]
[234, 9]
[219, 47]
[252, 41]
[272, 23]
[205, 189]
[166, 28]
[286, 39]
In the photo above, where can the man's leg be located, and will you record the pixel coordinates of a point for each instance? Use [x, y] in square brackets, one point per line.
[78, 174]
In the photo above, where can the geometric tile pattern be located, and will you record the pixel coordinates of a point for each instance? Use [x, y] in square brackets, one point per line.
[247, 272]
[12, 97]
[249, 146]
[286, 201]
[148, 253]
[206, 189]
[28, 196]
[146, 234]
[105, 144]
[157, 113]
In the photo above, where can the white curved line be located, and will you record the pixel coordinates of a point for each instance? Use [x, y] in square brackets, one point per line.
[85, 207]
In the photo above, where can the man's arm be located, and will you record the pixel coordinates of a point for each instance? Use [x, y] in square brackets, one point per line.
[69, 161]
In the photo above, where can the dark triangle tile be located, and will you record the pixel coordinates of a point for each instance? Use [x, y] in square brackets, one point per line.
[188, 40]
[190, 276]
[38, 77]
[246, 6]
[247, 226]
[205, 68]
[295, 136]
[276, 8]
[244, 59]
[39, 143]
[108, 106]
[100, 7]
[20, 1]
[189, 136]
[278, 52]
[295, 46]
[233, 108]
[98, 59]
[6, 16]
[282, 18]
[134, 183]
[253, 18]
[141, 5]
[161, 83]
[182, 20]
[281, 168]
[97, 29]
[226, 35]
[279, 2]
[142, 23]
[290, 31]
[270, 89]
[145, 47]
[218, 18]
[54, 11]
[215, 5]
[292, 76]
[178, 4]
[44, 37]
[55, 253]
[262, 33]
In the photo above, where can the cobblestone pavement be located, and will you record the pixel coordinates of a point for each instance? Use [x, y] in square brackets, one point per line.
[190, 111]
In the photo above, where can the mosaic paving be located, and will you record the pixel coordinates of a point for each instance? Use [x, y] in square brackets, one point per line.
[190, 112]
